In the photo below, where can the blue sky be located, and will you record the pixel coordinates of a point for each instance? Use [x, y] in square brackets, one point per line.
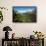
[24, 8]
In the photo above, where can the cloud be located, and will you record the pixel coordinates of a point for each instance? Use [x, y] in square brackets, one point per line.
[23, 11]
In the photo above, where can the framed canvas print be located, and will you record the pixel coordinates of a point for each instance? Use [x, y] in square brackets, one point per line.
[24, 14]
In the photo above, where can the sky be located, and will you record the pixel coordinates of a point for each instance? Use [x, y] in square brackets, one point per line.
[24, 8]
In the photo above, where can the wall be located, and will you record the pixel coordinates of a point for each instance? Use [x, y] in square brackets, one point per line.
[23, 29]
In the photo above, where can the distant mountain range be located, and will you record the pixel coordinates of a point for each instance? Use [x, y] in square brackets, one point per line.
[24, 11]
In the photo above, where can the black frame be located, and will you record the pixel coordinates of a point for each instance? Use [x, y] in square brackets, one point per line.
[33, 17]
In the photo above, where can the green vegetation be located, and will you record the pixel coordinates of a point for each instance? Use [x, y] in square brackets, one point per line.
[24, 17]
[1, 16]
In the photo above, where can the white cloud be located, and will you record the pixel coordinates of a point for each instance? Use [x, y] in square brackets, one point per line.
[23, 11]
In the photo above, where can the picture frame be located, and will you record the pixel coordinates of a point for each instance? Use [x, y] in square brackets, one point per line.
[24, 14]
